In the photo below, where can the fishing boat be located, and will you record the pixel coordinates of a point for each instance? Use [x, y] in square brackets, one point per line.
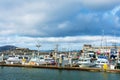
[86, 62]
[101, 61]
[41, 60]
[1, 58]
[117, 66]
[15, 59]
[36, 60]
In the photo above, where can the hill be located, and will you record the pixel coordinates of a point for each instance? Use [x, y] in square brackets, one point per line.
[7, 47]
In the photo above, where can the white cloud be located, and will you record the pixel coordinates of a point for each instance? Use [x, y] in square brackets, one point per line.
[112, 16]
[35, 16]
[115, 10]
[75, 42]
[95, 4]
[116, 16]
[56, 17]
[64, 25]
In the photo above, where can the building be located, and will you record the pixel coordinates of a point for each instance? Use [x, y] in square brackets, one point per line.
[106, 50]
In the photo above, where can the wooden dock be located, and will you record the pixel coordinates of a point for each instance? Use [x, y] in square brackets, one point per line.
[62, 68]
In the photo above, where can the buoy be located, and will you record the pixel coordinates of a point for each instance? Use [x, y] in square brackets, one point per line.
[23, 60]
[32, 63]
[105, 66]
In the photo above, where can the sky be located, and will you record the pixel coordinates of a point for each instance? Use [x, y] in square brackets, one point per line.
[68, 23]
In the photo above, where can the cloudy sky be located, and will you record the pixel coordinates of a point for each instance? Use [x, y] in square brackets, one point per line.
[68, 23]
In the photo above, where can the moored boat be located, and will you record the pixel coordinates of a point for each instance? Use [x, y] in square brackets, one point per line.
[86, 62]
[101, 61]
[15, 59]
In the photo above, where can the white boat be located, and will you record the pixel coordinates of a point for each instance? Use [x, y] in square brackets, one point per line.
[38, 60]
[86, 62]
[50, 61]
[100, 62]
[1, 58]
[14, 59]
[117, 65]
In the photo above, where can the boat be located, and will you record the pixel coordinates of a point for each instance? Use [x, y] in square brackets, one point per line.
[41, 60]
[86, 62]
[15, 59]
[1, 58]
[101, 61]
[50, 61]
[117, 66]
[36, 60]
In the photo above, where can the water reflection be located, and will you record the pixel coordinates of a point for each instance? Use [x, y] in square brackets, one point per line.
[60, 75]
[105, 75]
[14, 73]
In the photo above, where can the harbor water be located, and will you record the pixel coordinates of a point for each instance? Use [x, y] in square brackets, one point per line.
[20, 73]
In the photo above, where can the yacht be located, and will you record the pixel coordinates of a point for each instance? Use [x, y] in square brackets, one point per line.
[101, 61]
[86, 62]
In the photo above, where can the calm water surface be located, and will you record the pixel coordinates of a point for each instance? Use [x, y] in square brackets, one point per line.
[16, 73]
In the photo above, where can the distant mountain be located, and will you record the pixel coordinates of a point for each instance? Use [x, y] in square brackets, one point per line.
[7, 47]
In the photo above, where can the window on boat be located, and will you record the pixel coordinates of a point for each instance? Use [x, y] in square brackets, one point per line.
[47, 60]
[41, 58]
[98, 61]
[85, 60]
[102, 62]
[80, 60]
[26, 57]
[11, 56]
[20, 57]
[106, 62]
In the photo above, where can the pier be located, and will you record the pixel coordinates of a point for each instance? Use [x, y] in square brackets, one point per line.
[62, 68]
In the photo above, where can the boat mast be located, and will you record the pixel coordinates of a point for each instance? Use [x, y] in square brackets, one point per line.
[56, 52]
[102, 39]
[38, 46]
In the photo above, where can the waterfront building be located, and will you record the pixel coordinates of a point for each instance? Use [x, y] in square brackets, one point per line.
[105, 50]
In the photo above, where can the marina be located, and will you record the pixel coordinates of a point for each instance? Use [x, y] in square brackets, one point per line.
[90, 63]
[59, 40]
[85, 60]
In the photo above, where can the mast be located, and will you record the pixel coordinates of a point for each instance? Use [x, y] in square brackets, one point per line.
[114, 41]
[114, 52]
[56, 52]
[38, 46]
[102, 39]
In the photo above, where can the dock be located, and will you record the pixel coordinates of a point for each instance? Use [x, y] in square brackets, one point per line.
[62, 68]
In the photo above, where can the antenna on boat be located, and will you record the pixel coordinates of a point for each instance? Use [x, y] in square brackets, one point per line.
[102, 39]
[114, 41]
[106, 45]
[56, 51]
[56, 48]
[38, 46]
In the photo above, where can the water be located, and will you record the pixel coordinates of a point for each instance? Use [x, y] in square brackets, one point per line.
[16, 73]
